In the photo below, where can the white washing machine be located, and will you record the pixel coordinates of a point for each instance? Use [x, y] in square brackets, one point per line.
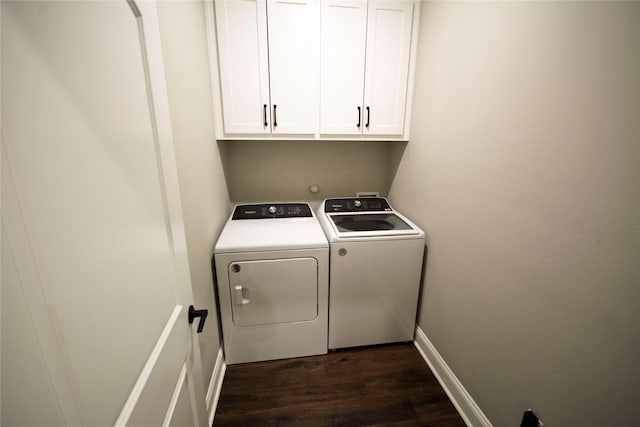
[272, 264]
[376, 257]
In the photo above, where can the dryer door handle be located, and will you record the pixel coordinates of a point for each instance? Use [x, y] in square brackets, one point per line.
[241, 292]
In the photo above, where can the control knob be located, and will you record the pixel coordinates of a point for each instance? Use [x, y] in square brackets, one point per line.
[357, 203]
[273, 210]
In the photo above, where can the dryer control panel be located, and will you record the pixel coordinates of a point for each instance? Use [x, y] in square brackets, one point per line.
[272, 210]
[365, 204]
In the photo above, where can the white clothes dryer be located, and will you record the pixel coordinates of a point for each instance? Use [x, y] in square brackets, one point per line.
[272, 264]
[376, 258]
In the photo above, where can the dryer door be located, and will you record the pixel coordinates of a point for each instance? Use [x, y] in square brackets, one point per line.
[265, 292]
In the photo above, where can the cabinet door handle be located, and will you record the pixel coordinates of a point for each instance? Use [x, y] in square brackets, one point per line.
[265, 115]
[368, 116]
[275, 118]
[359, 115]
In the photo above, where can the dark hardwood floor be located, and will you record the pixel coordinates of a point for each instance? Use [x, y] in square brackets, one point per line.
[371, 386]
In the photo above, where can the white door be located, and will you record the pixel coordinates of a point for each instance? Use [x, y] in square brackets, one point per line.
[266, 292]
[293, 65]
[241, 28]
[95, 283]
[387, 66]
[343, 36]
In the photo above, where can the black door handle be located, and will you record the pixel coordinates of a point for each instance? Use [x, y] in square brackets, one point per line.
[359, 115]
[202, 314]
[368, 116]
[265, 116]
[275, 118]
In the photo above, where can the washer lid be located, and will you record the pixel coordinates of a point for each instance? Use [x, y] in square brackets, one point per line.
[272, 233]
[369, 222]
[372, 224]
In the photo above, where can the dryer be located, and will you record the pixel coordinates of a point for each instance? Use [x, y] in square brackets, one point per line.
[376, 258]
[272, 264]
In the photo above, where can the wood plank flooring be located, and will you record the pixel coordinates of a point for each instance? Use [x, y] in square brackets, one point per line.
[371, 386]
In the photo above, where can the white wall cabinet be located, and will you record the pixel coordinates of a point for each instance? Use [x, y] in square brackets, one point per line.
[268, 67]
[365, 67]
[311, 69]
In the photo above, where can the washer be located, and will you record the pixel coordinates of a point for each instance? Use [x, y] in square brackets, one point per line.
[272, 264]
[376, 257]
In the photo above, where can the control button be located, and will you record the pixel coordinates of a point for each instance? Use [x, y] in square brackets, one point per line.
[357, 203]
[273, 210]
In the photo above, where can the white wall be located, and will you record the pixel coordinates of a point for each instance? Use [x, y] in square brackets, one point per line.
[205, 200]
[524, 170]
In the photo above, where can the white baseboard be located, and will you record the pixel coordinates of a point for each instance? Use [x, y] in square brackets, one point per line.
[461, 399]
[215, 385]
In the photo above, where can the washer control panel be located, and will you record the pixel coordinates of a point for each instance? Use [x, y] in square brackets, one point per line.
[365, 204]
[272, 210]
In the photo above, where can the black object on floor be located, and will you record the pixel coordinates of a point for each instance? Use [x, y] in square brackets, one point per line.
[529, 419]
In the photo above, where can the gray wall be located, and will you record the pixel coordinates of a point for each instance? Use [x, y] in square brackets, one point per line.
[284, 170]
[524, 170]
[203, 191]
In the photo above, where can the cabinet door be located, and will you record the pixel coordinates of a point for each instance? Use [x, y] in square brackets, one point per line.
[343, 31]
[387, 66]
[293, 65]
[244, 66]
